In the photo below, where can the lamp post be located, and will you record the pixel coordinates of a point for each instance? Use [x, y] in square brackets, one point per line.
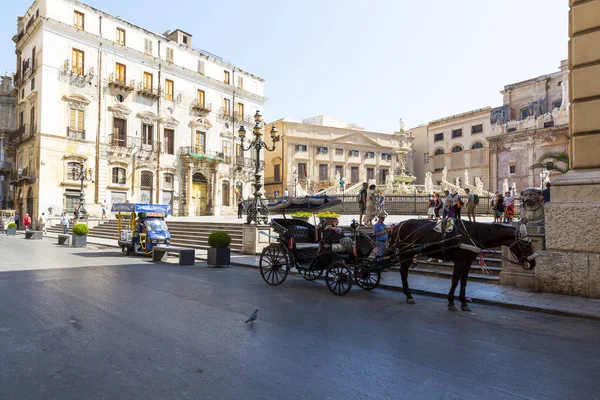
[295, 176]
[82, 175]
[257, 211]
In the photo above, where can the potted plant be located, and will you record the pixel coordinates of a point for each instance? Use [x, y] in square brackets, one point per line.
[11, 229]
[330, 217]
[302, 215]
[219, 253]
[80, 232]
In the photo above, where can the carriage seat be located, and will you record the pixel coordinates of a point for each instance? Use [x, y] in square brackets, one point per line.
[303, 237]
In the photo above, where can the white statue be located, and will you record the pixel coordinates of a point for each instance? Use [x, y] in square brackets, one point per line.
[428, 182]
[505, 186]
[338, 178]
[307, 185]
[466, 181]
[402, 125]
[457, 181]
[514, 188]
[545, 177]
[479, 185]
[444, 174]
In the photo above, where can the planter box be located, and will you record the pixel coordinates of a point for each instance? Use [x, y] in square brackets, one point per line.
[11, 231]
[219, 257]
[79, 241]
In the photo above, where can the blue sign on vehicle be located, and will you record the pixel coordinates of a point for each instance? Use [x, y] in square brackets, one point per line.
[148, 208]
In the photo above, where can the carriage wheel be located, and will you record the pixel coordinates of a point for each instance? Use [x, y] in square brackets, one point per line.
[338, 278]
[313, 272]
[274, 264]
[366, 279]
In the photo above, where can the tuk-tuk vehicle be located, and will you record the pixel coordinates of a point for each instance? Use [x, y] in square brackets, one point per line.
[141, 227]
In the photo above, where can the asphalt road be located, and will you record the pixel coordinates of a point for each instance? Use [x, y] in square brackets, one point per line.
[127, 328]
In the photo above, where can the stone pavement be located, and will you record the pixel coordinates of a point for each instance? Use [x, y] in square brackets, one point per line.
[479, 292]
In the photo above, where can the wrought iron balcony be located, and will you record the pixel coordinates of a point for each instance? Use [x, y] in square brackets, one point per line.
[25, 176]
[122, 84]
[149, 92]
[23, 134]
[202, 154]
[248, 163]
[5, 166]
[201, 107]
[133, 142]
[76, 134]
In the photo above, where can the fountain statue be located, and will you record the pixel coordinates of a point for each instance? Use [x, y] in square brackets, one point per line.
[514, 188]
[428, 183]
[444, 175]
[466, 181]
[404, 147]
[505, 186]
[457, 181]
[479, 185]
[389, 183]
[545, 177]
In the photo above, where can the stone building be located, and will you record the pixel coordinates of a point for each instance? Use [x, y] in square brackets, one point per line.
[152, 116]
[457, 142]
[7, 126]
[532, 121]
[320, 148]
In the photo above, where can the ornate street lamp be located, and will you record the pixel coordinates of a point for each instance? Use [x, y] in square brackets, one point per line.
[295, 176]
[257, 211]
[80, 174]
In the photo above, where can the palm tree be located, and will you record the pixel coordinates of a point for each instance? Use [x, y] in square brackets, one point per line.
[549, 162]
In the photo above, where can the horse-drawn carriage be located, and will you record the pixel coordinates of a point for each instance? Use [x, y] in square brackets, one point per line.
[348, 256]
[323, 248]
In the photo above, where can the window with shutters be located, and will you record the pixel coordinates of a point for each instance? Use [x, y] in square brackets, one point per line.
[354, 175]
[120, 73]
[227, 150]
[370, 173]
[119, 132]
[146, 186]
[77, 61]
[353, 153]
[302, 171]
[369, 154]
[73, 168]
[323, 173]
[169, 54]
[225, 193]
[169, 88]
[241, 82]
[201, 67]
[148, 81]
[200, 95]
[339, 152]
[76, 124]
[322, 150]
[169, 136]
[240, 112]
[78, 20]
[277, 173]
[301, 147]
[200, 145]
[121, 36]
[226, 107]
[148, 46]
[147, 134]
[226, 77]
[118, 176]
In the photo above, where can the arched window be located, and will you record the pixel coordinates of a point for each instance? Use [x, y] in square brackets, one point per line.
[477, 145]
[457, 149]
[73, 167]
[438, 152]
[119, 176]
[146, 185]
[225, 193]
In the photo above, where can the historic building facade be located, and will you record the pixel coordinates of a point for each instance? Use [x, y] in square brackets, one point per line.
[152, 116]
[456, 143]
[532, 122]
[8, 125]
[321, 148]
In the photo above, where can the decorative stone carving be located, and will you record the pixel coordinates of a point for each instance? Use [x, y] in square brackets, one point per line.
[201, 123]
[532, 209]
[444, 174]
[457, 181]
[169, 122]
[428, 182]
[505, 186]
[148, 117]
[479, 185]
[77, 101]
[120, 111]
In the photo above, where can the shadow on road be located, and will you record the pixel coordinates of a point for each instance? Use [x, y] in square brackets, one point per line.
[95, 254]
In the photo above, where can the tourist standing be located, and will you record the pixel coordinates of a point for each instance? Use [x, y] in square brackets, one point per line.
[240, 207]
[276, 194]
[470, 205]
[64, 221]
[17, 219]
[456, 204]
[546, 193]
[362, 202]
[438, 206]
[431, 208]
[27, 221]
[448, 210]
[509, 208]
[499, 210]
[104, 209]
[381, 202]
[76, 212]
[286, 194]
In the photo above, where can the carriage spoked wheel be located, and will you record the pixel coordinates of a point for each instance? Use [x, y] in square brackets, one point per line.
[274, 264]
[338, 278]
[313, 271]
[366, 279]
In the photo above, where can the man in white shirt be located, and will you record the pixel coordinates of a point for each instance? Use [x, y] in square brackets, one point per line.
[448, 203]
[470, 205]
[285, 193]
[43, 220]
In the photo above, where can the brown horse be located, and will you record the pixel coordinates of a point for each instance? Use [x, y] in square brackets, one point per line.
[461, 246]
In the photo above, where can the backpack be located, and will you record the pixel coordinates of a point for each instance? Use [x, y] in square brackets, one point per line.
[475, 199]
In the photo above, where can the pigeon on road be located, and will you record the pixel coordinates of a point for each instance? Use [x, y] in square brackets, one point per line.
[253, 317]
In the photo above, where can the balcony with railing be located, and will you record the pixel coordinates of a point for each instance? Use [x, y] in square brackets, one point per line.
[22, 176]
[200, 153]
[23, 134]
[152, 93]
[133, 142]
[5, 166]
[201, 107]
[247, 163]
[121, 84]
[76, 133]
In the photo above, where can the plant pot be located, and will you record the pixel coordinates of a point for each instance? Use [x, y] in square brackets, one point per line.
[219, 257]
[79, 241]
[11, 231]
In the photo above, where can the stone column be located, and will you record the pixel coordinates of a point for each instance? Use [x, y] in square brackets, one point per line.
[188, 195]
[572, 263]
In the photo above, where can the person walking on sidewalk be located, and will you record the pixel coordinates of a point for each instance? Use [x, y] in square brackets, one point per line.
[104, 209]
[240, 207]
[362, 202]
[64, 221]
[470, 205]
[448, 202]
[17, 219]
[42, 223]
[27, 221]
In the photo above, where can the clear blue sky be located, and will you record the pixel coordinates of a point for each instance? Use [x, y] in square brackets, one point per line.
[368, 62]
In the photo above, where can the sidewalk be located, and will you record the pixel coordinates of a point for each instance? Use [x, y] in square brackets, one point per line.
[483, 293]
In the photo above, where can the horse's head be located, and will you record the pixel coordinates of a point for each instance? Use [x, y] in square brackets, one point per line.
[522, 249]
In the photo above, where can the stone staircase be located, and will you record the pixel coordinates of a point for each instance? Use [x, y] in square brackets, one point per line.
[184, 234]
